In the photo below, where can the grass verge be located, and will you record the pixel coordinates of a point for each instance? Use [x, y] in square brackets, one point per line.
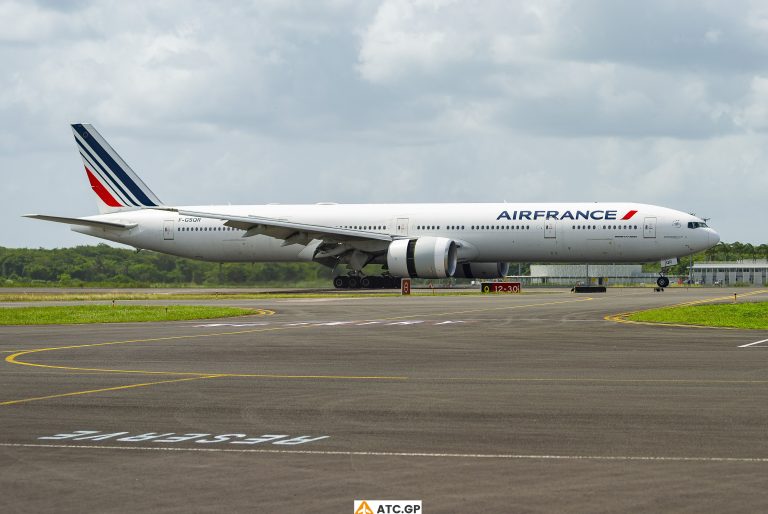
[738, 315]
[116, 295]
[108, 314]
[85, 297]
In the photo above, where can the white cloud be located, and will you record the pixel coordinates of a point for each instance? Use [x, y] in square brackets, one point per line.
[394, 101]
[407, 37]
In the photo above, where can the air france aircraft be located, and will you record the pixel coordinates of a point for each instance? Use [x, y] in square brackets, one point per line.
[475, 240]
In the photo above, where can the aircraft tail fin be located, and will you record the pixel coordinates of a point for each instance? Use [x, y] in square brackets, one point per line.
[116, 185]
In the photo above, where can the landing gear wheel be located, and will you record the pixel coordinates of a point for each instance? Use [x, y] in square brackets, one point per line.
[341, 282]
[354, 282]
[662, 282]
[366, 282]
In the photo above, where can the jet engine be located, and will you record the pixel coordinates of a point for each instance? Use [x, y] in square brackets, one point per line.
[482, 270]
[425, 257]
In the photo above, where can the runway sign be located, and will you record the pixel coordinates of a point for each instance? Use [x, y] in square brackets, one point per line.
[500, 287]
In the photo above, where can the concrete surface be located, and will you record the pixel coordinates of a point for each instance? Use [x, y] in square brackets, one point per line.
[527, 403]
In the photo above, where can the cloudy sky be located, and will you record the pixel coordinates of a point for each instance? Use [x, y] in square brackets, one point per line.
[393, 101]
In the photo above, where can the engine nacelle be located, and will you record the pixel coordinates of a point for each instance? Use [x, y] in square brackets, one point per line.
[482, 270]
[425, 257]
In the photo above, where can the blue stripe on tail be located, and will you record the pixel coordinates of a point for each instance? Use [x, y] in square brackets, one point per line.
[114, 167]
[126, 198]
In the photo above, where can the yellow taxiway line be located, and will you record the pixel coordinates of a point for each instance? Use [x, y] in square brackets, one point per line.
[191, 375]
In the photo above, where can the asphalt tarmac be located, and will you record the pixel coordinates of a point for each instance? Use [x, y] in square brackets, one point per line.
[508, 403]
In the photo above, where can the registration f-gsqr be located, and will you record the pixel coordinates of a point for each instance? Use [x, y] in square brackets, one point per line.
[387, 507]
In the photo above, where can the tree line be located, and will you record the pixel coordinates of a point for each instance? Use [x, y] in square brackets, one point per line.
[103, 265]
[109, 266]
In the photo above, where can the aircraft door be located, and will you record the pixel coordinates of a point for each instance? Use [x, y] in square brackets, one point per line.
[401, 226]
[168, 230]
[550, 229]
[649, 228]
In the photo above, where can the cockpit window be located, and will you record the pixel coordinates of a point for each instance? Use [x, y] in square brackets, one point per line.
[697, 224]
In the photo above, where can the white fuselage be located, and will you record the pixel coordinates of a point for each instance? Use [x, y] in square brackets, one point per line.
[500, 232]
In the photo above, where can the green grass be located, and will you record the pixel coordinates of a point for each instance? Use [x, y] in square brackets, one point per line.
[109, 314]
[737, 315]
[80, 297]
[84, 297]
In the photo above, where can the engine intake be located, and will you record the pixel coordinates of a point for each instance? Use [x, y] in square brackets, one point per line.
[425, 257]
[482, 270]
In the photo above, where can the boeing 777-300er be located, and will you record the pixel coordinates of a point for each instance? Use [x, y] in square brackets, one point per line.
[436, 240]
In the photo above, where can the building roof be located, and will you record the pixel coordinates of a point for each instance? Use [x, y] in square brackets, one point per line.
[756, 264]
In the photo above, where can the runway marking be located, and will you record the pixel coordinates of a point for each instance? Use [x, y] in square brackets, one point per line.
[621, 317]
[594, 380]
[195, 437]
[14, 358]
[500, 456]
[130, 386]
[386, 323]
[199, 376]
[753, 344]
[453, 313]
[237, 325]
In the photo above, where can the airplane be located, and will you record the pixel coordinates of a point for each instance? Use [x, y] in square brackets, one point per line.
[427, 240]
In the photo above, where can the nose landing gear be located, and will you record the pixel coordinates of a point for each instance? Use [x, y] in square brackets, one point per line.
[662, 281]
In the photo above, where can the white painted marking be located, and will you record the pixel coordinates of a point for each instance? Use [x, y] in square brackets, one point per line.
[510, 456]
[753, 344]
[384, 322]
[172, 437]
[213, 325]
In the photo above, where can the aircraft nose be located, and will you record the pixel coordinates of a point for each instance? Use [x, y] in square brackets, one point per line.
[714, 238]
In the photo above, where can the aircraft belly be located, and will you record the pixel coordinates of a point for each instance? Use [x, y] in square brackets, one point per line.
[238, 249]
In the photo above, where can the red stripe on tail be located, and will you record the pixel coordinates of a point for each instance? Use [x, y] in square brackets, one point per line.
[629, 215]
[101, 190]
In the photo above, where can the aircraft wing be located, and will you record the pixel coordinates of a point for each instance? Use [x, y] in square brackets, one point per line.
[83, 221]
[289, 231]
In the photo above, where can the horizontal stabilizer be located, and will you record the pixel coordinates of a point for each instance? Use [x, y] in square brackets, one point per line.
[82, 221]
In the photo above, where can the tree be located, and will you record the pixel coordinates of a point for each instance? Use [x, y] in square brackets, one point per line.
[762, 250]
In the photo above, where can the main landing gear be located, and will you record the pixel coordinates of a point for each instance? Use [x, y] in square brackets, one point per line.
[366, 282]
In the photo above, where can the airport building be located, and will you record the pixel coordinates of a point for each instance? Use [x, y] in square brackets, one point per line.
[596, 274]
[752, 272]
